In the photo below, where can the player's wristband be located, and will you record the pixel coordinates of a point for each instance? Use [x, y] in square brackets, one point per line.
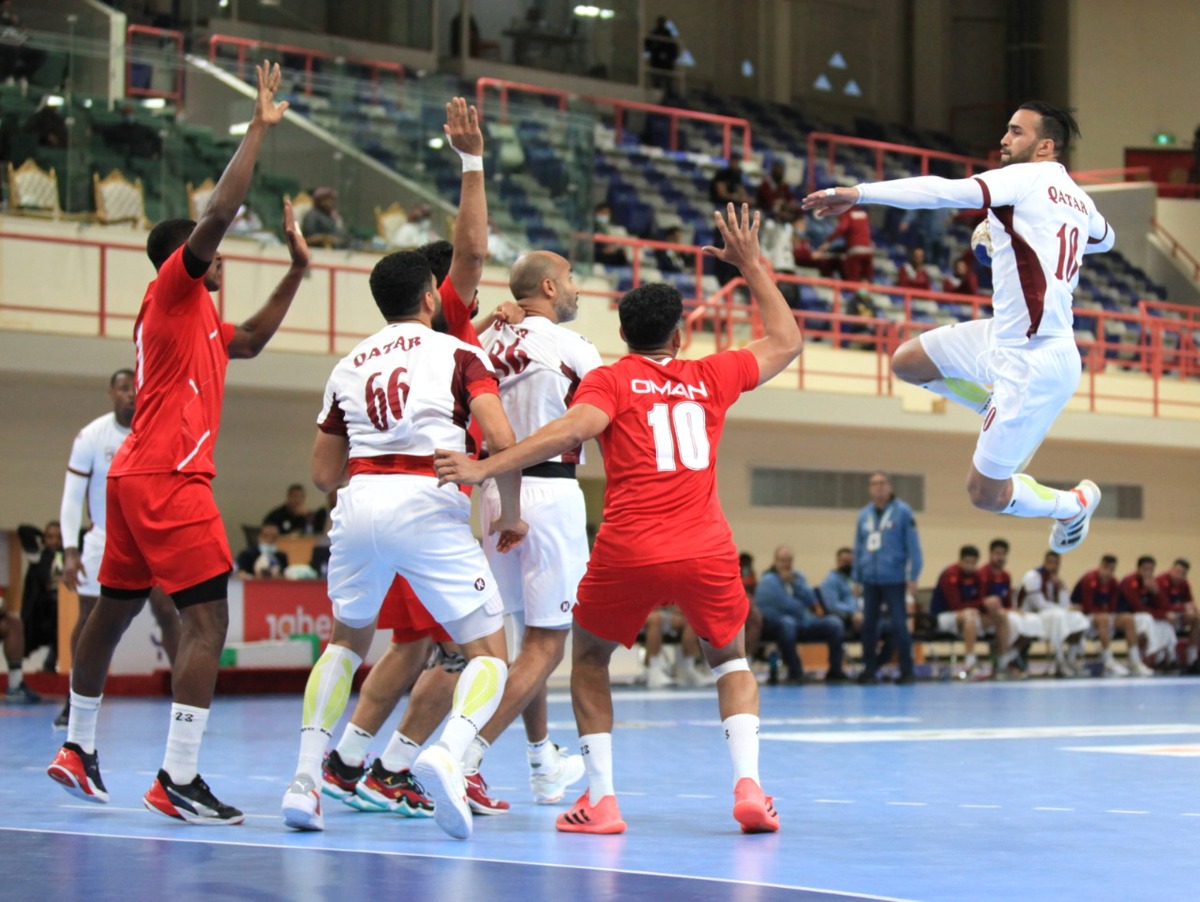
[470, 161]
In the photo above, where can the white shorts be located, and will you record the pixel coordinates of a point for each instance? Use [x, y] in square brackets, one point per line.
[90, 556]
[1160, 635]
[541, 575]
[389, 524]
[1030, 387]
[947, 622]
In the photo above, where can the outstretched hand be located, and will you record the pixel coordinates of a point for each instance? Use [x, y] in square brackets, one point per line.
[454, 466]
[297, 246]
[462, 127]
[266, 110]
[830, 201]
[740, 237]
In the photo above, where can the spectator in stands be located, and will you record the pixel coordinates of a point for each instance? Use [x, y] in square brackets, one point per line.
[248, 224]
[963, 606]
[887, 564]
[1153, 638]
[803, 240]
[775, 198]
[323, 225]
[776, 240]
[49, 126]
[39, 601]
[605, 252]
[1043, 593]
[1097, 594]
[1177, 607]
[293, 516]
[18, 61]
[964, 280]
[417, 229]
[913, 273]
[726, 186]
[501, 249]
[262, 560]
[662, 51]
[792, 614]
[858, 258]
[132, 138]
[670, 260]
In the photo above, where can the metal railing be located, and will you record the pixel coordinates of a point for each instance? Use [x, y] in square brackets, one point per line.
[156, 52]
[881, 149]
[1177, 250]
[310, 57]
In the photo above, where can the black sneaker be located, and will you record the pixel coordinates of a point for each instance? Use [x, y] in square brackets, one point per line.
[866, 678]
[64, 717]
[905, 679]
[193, 802]
[339, 779]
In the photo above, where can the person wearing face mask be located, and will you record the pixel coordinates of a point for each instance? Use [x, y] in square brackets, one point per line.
[607, 254]
[263, 560]
[842, 597]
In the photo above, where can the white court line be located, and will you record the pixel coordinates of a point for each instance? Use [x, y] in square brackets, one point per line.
[909, 804]
[984, 733]
[1190, 814]
[833, 801]
[461, 858]
[1124, 811]
[1050, 808]
[979, 806]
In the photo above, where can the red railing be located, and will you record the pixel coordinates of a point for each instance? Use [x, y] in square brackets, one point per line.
[635, 247]
[162, 35]
[310, 57]
[970, 165]
[1178, 251]
[619, 107]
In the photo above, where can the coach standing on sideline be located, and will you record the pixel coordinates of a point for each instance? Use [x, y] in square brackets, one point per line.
[887, 562]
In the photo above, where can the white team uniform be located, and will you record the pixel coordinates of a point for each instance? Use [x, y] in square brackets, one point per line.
[540, 363]
[1041, 224]
[91, 455]
[398, 396]
[1047, 614]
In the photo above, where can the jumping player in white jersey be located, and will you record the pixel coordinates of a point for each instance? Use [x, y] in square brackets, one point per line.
[389, 403]
[539, 364]
[1041, 225]
[87, 478]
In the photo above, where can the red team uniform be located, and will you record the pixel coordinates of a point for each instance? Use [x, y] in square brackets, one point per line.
[1095, 596]
[163, 524]
[957, 590]
[664, 539]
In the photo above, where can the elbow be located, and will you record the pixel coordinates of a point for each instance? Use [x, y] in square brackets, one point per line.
[324, 482]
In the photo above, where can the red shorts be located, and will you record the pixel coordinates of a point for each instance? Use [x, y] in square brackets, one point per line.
[403, 613]
[163, 529]
[614, 600]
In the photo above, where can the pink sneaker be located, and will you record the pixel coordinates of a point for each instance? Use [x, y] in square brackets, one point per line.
[752, 809]
[604, 818]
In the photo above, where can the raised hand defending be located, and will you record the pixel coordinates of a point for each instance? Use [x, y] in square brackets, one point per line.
[462, 128]
[740, 236]
[266, 110]
[297, 246]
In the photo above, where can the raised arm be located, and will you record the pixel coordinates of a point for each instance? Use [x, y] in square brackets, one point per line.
[231, 189]
[470, 228]
[252, 336]
[782, 342]
[925, 192]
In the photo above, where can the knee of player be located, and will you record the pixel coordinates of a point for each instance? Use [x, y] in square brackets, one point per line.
[986, 494]
[909, 362]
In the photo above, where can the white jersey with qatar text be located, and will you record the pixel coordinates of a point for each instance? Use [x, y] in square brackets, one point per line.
[91, 455]
[1041, 225]
[406, 391]
[539, 364]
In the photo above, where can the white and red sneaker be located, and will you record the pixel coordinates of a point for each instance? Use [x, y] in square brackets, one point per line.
[1066, 535]
[302, 804]
[78, 773]
[479, 800]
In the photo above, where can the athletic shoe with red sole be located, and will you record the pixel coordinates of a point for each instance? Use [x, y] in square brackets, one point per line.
[387, 790]
[479, 800]
[339, 780]
[584, 817]
[192, 802]
[752, 809]
[78, 773]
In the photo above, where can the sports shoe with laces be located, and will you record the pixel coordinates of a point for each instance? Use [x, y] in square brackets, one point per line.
[192, 802]
[21, 695]
[440, 775]
[754, 810]
[1140, 669]
[302, 804]
[1066, 535]
[584, 817]
[381, 789]
[339, 780]
[478, 798]
[549, 782]
[78, 773]
[63, 720]
[1115, 668]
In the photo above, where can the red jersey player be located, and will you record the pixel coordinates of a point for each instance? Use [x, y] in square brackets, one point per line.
[163, 524]
[664, 539]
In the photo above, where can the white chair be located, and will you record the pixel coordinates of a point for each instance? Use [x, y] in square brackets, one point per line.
[33, 191]
[119, 200]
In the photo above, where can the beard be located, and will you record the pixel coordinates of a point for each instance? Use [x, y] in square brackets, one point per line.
[1022, 157]
[438, 323]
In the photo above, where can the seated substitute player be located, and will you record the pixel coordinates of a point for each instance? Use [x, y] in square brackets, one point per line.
[664, 538]
[1011, 642]
[958, 601]
[1151, 638]
[1097, 594]
[1041, 224]
[163, 526]
[1176, 606]
[1043, 594]
[388, 404]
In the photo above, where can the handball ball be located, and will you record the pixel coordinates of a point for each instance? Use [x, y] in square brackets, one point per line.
[981, 243]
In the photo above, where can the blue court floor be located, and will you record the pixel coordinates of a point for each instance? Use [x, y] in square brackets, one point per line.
[1041, 790]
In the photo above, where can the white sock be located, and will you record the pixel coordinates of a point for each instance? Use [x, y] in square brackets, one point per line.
[970, 660]
[974, 397]
[1192, 653]
[182, 759]
[325, 697]
[81, 728]
[1031, 499]
[1107, 655]
[1135, 653]
[473, 757]
[1007, 658]
[16, 676]
[596, 749]
[476, 698]
[400, 753]
[1074, 650]
[539, 752]
[353, 746]
[741, 734]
